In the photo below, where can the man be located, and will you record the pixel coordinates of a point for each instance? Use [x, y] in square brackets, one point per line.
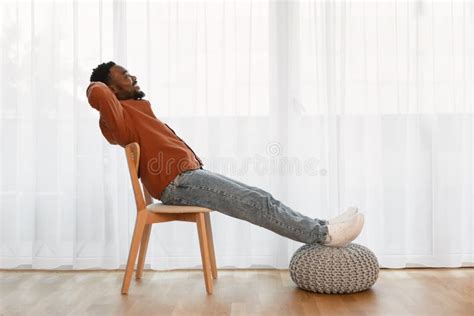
[174, 174]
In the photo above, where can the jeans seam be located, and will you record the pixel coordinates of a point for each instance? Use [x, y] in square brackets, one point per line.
[264, 214]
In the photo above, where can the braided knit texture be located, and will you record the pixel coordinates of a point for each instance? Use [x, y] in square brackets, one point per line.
[332, 270]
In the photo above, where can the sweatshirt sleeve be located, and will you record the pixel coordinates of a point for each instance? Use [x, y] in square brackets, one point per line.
[112, 117]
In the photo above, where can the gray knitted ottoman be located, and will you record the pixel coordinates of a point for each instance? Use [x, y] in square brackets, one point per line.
[332, 270]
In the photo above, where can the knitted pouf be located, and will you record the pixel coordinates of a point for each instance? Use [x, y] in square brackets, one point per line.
[332, 270]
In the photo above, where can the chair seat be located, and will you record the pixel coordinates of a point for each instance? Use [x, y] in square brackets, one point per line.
[176, 209]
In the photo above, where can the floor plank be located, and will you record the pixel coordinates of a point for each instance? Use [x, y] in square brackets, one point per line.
[236, 292]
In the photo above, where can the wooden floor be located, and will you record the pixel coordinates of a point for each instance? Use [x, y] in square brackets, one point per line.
[236, 292]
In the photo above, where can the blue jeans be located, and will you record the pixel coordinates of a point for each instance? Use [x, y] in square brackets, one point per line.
[212, 190]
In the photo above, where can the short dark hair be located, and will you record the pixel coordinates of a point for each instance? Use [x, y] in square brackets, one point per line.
[101, 73]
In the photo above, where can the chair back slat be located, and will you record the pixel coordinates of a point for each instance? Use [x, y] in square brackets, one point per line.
[132, 152]
[148, 198]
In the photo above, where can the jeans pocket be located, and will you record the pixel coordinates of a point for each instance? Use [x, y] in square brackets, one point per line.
[181, 179]
[174, 181]
[177, 180]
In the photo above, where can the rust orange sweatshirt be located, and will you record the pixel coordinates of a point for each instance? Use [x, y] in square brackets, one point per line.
[163, 155]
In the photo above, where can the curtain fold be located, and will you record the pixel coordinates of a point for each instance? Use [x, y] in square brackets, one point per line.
[325, 104]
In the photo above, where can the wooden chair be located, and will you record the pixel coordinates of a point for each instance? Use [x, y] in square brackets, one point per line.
[149, 213]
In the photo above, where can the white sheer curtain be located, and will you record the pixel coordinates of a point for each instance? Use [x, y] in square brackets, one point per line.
[324, 104]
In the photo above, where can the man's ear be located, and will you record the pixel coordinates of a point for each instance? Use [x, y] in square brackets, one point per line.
[113, 88]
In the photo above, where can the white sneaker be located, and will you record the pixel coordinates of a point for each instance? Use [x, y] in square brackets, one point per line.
[357, 232]
[342, 233]
[346, 215]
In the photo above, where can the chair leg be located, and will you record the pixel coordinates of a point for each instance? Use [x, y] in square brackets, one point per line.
[203, 243]
[143, 250]
[211, 245]
[134, 246]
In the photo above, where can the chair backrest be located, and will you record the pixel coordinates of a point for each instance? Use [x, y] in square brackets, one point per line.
[142, 197]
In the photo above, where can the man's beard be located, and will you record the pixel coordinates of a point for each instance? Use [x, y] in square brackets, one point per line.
[138, 95]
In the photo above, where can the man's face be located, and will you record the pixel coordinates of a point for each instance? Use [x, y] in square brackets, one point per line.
[123, 84]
